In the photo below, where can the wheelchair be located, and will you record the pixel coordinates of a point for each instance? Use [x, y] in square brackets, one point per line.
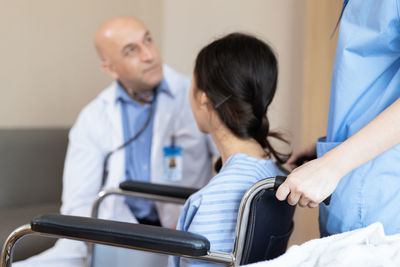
[263, 228]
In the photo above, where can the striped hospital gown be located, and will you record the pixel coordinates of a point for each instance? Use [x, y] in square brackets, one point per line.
[213, 210]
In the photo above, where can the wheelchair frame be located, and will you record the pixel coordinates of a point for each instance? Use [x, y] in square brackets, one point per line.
[233, 259]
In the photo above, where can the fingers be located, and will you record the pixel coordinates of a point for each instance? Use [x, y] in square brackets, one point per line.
[293, 198]
[303, 202]
[312, 205]
[293, 165]
[283, 191]
[306, 202]
[292, 159]
[299, 158]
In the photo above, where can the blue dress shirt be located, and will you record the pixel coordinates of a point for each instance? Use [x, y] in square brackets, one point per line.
[138, 153]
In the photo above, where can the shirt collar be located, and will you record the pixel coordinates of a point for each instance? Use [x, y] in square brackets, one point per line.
[164, 88]
[122, 95]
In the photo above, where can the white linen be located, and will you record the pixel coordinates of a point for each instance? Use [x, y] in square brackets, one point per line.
[362, 247]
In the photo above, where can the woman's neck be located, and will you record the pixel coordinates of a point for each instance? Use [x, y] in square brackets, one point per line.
[228, 144]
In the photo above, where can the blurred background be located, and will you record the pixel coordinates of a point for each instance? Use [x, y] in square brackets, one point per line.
[49, 71]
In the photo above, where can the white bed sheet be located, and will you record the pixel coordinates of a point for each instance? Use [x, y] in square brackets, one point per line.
[362, 247]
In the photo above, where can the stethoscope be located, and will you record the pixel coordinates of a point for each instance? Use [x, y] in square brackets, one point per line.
[130, 140]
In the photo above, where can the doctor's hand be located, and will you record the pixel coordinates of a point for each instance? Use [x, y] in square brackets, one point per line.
[300, 157]
[311, 183]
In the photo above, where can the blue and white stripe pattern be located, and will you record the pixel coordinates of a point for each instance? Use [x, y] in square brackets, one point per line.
[213, 210]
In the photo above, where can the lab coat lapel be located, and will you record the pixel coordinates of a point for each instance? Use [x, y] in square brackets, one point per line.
[117, 160]
[162, 129]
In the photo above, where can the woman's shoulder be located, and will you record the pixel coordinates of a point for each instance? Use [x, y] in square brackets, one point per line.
[237, 175]
[242, 164]
[243, 170]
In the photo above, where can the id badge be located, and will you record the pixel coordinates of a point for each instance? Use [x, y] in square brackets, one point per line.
[173, 165]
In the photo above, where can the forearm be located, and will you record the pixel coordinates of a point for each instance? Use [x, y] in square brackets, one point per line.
[379, 135]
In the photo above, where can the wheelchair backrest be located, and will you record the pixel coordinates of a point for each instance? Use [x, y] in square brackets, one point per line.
[269, 226]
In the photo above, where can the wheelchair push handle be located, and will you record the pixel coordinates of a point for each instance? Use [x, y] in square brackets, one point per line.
[280, 179]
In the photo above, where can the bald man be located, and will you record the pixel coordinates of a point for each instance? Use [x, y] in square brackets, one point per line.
[131, 131]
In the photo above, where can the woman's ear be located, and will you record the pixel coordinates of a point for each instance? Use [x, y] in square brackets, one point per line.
[204, 100]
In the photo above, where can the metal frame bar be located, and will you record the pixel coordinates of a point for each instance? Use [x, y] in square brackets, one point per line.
[243, 215]
[9, 245]
[25, 230]
[105, 193]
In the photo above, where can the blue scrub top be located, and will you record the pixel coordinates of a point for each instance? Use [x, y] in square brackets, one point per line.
[365, 81]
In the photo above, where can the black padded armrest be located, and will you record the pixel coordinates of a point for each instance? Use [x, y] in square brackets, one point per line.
[158, 189]
[119, 233]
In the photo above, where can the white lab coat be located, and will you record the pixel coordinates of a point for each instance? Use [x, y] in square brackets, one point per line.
[98, 130]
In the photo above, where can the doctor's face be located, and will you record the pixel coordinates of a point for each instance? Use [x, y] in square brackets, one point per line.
[133, 58]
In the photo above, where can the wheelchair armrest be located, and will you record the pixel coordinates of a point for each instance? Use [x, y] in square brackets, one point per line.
[143, 237]
[158, 189]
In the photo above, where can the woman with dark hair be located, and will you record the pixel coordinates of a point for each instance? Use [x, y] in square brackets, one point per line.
[234, 82]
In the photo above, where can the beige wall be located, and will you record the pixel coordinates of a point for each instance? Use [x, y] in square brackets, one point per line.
[49, 69]
[319, 52]
[319, 49]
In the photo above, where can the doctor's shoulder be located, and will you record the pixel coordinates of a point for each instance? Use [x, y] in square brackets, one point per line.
[93, 116]
[97, 107]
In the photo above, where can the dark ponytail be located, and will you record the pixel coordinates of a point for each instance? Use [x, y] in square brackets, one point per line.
[239, 74]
